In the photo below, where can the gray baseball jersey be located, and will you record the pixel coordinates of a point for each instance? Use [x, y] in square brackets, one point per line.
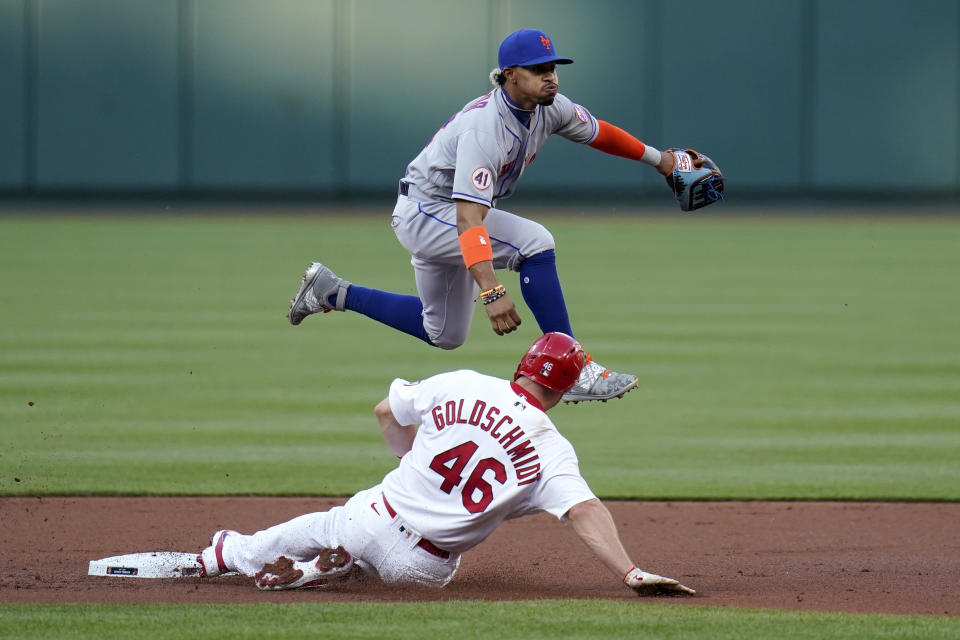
[482, 151]
[479, 155]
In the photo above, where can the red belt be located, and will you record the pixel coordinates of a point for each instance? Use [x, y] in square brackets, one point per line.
[424, 544]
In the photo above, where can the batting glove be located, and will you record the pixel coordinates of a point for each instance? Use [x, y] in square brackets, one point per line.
[650, 584]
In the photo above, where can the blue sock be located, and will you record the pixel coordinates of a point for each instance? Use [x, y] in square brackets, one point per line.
[402, 312]
[540, 286]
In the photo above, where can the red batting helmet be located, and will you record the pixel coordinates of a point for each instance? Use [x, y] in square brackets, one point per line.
[554, 361]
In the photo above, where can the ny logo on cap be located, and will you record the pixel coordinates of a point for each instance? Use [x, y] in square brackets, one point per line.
[545, 41]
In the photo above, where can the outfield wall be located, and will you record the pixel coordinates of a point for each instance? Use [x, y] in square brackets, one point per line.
[334, 96]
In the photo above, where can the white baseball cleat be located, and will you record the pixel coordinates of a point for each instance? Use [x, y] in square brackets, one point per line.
[332, 565]
[211, 559]
[596, 382]
[319, 284]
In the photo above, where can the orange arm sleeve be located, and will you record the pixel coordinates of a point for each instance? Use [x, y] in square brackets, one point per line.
[615, 141]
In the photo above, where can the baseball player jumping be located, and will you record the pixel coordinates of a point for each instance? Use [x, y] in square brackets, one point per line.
[474, 451]
[447, 214]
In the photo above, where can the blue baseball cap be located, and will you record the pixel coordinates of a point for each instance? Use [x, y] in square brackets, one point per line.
[528, 47]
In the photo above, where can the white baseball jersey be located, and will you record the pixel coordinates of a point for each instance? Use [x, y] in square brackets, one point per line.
[481, 152]
[484, 452]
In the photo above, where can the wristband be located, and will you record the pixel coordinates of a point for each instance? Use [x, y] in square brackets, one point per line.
[651, 156]
[488, 296]
[475, 245]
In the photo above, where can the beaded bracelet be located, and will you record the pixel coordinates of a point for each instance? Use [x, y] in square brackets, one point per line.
[486, 297]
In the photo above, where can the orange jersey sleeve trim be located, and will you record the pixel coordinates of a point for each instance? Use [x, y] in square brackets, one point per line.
[615, 141]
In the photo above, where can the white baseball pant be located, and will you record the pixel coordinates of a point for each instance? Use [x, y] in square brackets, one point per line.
[379, 542]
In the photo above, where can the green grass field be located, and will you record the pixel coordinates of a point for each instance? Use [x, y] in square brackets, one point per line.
[781, 358]
[546, 619]
[778, 358]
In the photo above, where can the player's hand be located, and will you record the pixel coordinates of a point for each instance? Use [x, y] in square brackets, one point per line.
[667, 161]
[503, 315]
[650, 584]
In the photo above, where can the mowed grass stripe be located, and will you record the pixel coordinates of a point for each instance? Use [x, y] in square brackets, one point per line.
[465, 619]
[786, 357]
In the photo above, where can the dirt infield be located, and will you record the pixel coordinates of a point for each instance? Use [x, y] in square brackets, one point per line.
[876, 558]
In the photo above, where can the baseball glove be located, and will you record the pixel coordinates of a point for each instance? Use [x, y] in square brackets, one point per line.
[696, 180]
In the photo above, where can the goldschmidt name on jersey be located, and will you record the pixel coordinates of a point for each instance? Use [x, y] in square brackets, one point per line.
[492, 421]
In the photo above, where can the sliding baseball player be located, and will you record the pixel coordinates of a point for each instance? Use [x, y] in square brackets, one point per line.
[474, 451]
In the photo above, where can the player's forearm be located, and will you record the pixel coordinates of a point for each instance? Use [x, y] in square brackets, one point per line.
[399, 438]
[594, 525]
[615, 141]
[485, 276]
[470, 215]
